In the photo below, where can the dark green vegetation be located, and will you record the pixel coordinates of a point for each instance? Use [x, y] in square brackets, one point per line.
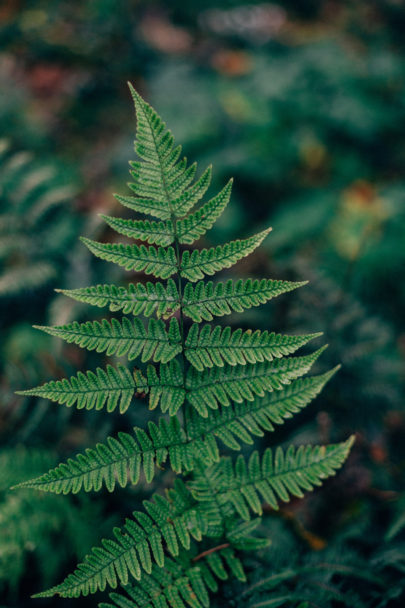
[303, 104]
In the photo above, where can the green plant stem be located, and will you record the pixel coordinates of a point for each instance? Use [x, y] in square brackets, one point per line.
[181, 318]
[179, 281]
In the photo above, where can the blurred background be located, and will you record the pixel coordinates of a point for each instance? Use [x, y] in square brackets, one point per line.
[304, 104]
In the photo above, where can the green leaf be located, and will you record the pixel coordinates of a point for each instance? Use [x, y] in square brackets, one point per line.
[136, 299]
[159, 262]
[215, 346]
[180, 583]
[168, 524]
[129, 338]
[204, 301]
[209, 261]
[119, 460]
[194, 226]
[238, 422]
[112, 388]
[162, 184]
[220, 386]
[160, 233]
[276, 476]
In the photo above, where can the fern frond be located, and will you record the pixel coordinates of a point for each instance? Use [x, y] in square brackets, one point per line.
[112, 388]
[214, 346]
[129, 338]
[223, 385]
[181, 205]
[159, 233]
[136, 299]
[159, 262]
[276, 477]
[204, 301]
[239, 384]
[160, 180]
[196, 264]
[121, 459]
[144, 205]
[178, 585]
[194, 226]
[167, 524]
[240, 421]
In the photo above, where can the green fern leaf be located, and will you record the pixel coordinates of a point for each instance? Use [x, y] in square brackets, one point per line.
[159, 262]
[204, 301]
[112, 388]
[163, 183]
[167, 523]
[160, 233]
[121, 459]
[209, 347]
[136, 299]
[181, 584]
[223, 385]
[209, 261]
[126, 338]
[194, 226]
[276, 477]
[240, 421]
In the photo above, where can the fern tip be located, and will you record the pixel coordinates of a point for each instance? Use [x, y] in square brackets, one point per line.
[316, 334]
[350, 441]
[42, 594]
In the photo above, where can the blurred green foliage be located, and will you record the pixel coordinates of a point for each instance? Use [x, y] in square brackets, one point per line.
[304, 104]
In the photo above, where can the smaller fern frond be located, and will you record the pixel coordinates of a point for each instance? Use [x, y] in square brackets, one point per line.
[162, 184]
[167, 524]
[179, 585]
[240, 421]
[214, 346]
[220, 386]
[110, 388]
[121, 459]
[129, 338]
[202, 262]
[159, 233]
[278, 476]
[144, 205]
[136, 299]
[195, 225]
[204, 301]
[181, 205]
[160, 262]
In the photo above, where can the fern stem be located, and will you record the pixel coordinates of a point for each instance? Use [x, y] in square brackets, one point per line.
[209, 551]
[181, 318]
[179, 280]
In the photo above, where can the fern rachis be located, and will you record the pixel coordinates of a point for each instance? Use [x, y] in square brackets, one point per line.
[211, 383]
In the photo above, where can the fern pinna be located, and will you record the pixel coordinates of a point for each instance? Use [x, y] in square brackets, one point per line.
[213, 385]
